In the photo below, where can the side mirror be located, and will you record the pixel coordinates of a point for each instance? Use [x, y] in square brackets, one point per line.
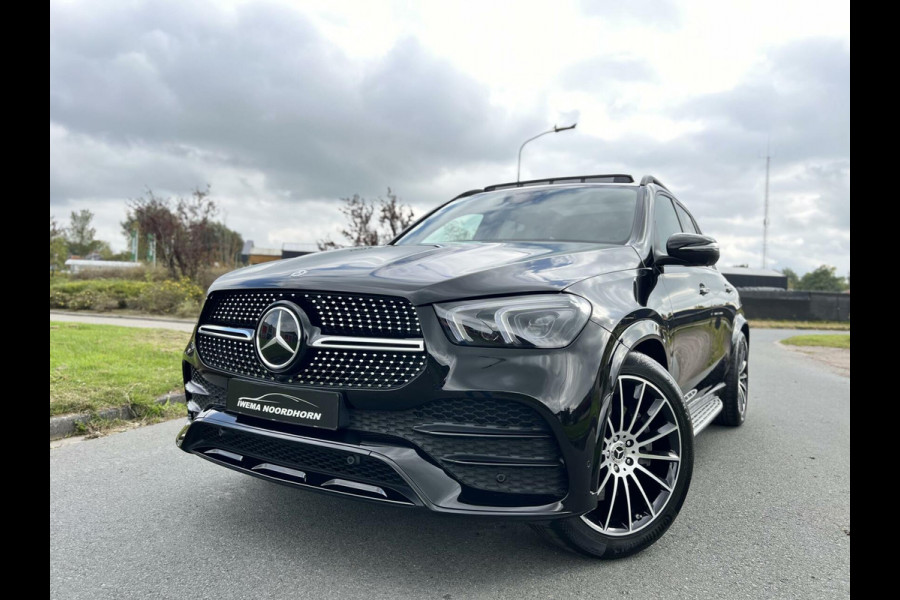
[691, 249]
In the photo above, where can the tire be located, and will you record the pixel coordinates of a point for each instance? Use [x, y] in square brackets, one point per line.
[619, 526]
[736, 396]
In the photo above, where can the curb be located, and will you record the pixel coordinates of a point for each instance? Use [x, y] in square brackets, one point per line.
[110, 315]
[65, 425]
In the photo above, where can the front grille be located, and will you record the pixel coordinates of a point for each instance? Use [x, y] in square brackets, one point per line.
[357, 369]
[297, 455]
[333, 314]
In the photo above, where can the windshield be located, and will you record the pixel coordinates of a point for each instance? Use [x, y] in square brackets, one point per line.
[566, 214]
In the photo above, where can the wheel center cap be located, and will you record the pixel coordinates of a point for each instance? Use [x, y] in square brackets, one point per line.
[618, 452]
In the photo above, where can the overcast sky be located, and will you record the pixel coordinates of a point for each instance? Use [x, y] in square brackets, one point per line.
[284, 107]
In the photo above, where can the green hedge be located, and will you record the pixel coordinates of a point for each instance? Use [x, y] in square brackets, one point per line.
[161, 297]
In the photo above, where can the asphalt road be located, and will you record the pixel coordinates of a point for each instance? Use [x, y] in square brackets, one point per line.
[767, 515]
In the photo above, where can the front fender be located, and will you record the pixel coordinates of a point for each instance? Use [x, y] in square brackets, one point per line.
[740, 323]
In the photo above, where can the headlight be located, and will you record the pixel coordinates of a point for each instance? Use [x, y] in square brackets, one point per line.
[539, 321]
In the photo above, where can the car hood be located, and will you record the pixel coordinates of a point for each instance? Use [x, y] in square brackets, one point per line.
[434, 273]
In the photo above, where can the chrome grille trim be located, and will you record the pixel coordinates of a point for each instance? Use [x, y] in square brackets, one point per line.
[367, 343]
[231, 333]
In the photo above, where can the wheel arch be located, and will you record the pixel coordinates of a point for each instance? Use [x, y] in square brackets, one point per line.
[645, 335]
[741, 327]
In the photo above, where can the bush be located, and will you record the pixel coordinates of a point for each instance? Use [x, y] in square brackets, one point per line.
[189, 309]
[107, 302]
[58, 299]
[168, 296]
[83, 300]
[142, 273]
[206, 277]
[180, 298]
[106, 293]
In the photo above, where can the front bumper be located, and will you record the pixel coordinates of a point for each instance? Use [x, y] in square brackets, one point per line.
[442, 467]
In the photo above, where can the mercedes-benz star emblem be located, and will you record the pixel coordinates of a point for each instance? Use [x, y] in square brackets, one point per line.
[278, 337]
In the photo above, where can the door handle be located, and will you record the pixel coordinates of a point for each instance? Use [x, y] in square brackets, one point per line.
[703, 289]
[728, 289]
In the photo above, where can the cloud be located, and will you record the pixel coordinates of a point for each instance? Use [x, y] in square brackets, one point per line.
[255, 100]
[264, 90]
[661, 13]
[600, 74]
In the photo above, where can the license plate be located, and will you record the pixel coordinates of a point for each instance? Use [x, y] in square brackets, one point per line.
[312, 408]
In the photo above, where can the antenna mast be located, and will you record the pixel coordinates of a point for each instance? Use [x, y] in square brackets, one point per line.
[766, 210]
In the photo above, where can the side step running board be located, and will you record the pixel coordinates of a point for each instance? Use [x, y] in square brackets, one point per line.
[703, 411]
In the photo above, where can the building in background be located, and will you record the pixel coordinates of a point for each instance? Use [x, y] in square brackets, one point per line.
[745, 277]
[254, 255]
[294, 249]
[76, 265]
[260, 255]
[764, 295]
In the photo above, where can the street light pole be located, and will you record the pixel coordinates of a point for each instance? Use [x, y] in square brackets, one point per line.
[554, 130]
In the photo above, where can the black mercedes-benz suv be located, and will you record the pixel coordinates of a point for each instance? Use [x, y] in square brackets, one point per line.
[543, 350]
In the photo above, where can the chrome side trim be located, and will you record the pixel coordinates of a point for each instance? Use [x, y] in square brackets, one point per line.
[477, 432]
[231, 333]
[195, 388]
[280, 469]
[354, 485]
[368, 343]
[225, 453]
[487, 461]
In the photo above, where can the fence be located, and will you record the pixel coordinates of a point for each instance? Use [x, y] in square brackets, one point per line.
[786, 305]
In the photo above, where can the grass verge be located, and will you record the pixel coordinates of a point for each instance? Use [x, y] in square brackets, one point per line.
[833, 340]
[99, 366]
[825, 325]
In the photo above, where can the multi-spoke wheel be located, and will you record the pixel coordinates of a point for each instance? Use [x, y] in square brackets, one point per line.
[640, 461]
[737, 390]
[646, 462]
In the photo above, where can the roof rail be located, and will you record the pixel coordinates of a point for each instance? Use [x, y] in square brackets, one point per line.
[613, 178]
[467, 193]
[648, 179]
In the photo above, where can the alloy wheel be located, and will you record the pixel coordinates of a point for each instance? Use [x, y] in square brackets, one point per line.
[640, 460]
[743, 378]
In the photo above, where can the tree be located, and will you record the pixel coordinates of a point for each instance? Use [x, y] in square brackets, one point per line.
[80, 234]
[793, 280]
[106, 252]
[152, 215]
[822, 279]
[225, 243]
[186, 237]
[59, 249]
[393, 218]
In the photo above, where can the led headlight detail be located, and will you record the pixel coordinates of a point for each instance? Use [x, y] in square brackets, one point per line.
[539, 321]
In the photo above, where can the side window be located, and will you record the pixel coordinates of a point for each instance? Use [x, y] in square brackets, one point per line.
[687, 223]
[665, 222]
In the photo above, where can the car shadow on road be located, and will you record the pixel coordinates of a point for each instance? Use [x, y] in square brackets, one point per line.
[349, 538]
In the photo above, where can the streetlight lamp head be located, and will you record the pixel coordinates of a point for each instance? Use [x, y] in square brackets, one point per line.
[556, 129]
